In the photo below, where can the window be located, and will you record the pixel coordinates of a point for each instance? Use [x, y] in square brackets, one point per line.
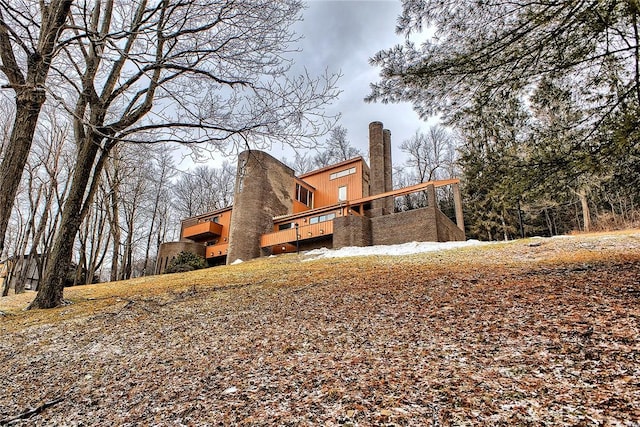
[327, 217]
[303, 195]
[342, 193]
[241, 173]
[322, 218]
[342, 173]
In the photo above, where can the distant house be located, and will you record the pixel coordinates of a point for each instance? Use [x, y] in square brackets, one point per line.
[22, 271]
[346, 204]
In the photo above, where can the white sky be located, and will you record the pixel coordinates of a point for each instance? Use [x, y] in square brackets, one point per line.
[340, 36]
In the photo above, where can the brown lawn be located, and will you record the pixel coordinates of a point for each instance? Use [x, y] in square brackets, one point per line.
[532, 332]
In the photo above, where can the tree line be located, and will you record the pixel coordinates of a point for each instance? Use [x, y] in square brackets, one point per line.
[146, 71]
[544, 99]
[138, 204]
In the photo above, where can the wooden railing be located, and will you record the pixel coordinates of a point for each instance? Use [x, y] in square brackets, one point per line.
[308, 231]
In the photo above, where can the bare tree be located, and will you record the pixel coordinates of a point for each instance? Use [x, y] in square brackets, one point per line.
[29, 40]
[6, 119]
[203, 189]
[190, 71]
[126, 185]
[302, 163]
[338, 149]
[430, 155]
[162, 172]
[37, 205]
[94, 240]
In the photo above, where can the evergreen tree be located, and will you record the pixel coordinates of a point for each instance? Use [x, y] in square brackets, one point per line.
[492, 159]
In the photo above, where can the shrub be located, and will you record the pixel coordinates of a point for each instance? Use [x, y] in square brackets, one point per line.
[185, 261]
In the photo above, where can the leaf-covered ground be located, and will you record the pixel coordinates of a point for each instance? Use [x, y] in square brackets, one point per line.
[533, 332]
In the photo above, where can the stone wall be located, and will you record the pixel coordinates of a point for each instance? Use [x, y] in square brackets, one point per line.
[263, 190]
[418, 225]
[351, 230]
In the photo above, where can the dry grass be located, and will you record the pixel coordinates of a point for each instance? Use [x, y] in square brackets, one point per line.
[532, 332]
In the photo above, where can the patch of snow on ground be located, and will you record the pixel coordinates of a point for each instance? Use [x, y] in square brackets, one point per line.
[402, 249]
[238, 261]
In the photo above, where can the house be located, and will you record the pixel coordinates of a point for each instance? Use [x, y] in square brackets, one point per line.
[22, 272]
[346, 204]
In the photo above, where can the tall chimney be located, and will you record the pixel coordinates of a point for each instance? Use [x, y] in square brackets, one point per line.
[376, 158]
[388, 170]
[378, 166]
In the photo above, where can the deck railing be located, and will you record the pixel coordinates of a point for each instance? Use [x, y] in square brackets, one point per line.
[306, 231]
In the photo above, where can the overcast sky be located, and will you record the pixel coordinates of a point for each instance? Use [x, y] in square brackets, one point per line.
[341, 36]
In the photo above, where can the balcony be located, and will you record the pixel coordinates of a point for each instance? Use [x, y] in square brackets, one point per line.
[203, 231]
[216, 250]
[310, 231]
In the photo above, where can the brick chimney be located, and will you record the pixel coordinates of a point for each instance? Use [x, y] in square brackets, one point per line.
[380, 167]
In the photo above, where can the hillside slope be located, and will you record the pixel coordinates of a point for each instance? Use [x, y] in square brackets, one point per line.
[532, 332]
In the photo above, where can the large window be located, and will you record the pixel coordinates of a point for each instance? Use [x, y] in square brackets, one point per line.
[322, 218]
[342, 173]
[303, 195]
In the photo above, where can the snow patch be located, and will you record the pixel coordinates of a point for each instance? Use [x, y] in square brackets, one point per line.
[238, 261]
[393, 250]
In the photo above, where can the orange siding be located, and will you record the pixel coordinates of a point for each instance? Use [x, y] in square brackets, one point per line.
[326, 193]
[217, 250]
[299, 207]
[224, 220]
[204, 230]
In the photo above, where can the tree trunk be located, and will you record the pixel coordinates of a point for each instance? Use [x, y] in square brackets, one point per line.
[127, 262]
[7, 278]
[505, 234]
[548, 221]
[586, 213]
[50, 291]
[30, 96]
[28, 106]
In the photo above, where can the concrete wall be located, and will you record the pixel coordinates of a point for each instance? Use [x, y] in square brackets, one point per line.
[264, 188]
[170, 250]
